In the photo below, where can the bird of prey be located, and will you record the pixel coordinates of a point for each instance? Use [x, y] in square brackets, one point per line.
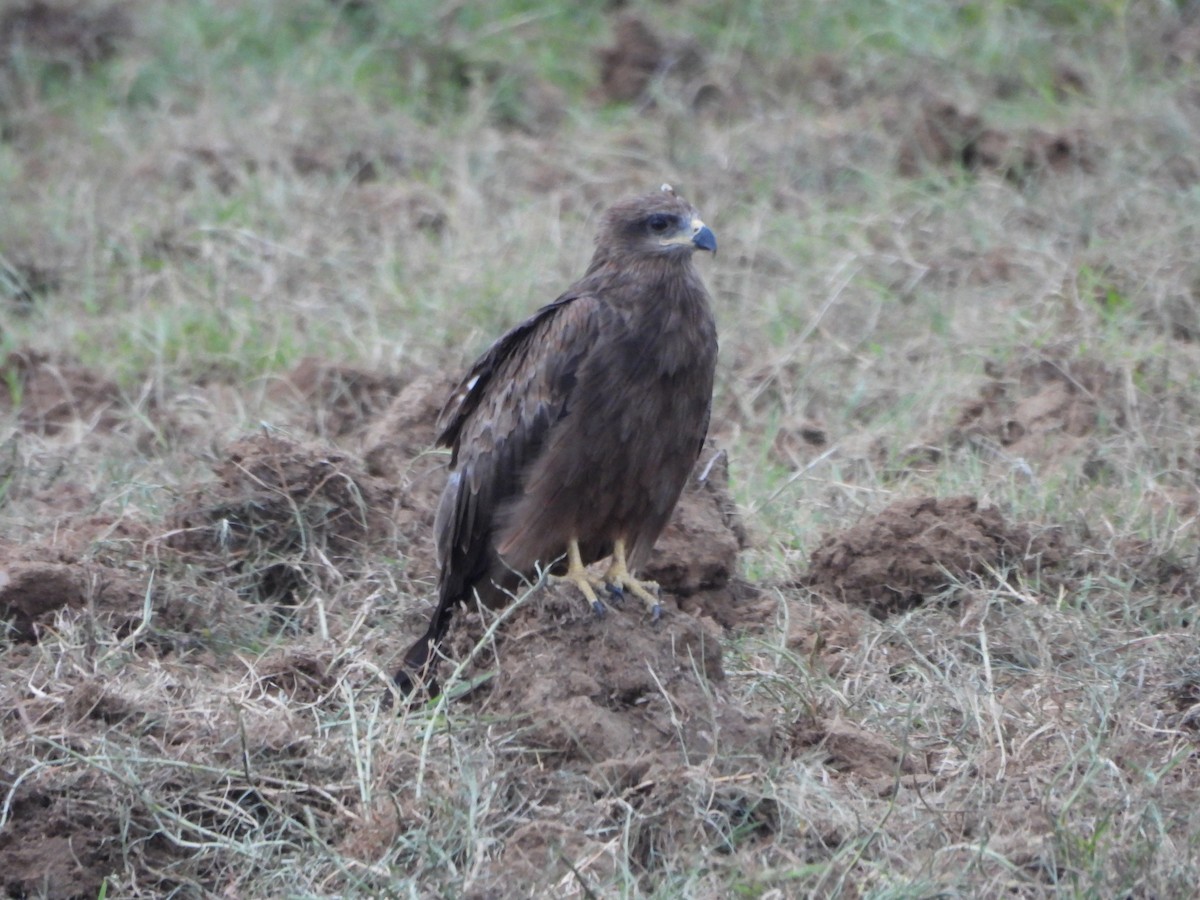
[572, 437]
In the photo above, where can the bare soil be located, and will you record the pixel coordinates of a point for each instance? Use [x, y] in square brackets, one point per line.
[595, 711]
[918, 549]
[628, 707]
[57, 394]
[69, 33]
[621, 701]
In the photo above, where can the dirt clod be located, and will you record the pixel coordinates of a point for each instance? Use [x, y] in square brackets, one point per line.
[1043, 410]
[853, 751]
[627, 67]
[54, 394]
[334, 400]
[31, 593]
[407, 428]
[58, 844]
[616, 687]
[72, 34]
[916, 549]
[399, 450]
[695, 558]
[943, 134]
[283, 515]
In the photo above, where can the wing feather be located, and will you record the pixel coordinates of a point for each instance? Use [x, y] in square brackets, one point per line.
[478, 386]
[497, 423]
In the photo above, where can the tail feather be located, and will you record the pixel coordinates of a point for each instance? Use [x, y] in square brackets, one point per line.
[488, 582]
[421, 658]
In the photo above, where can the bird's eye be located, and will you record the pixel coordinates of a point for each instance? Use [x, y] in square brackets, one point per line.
[659, 223]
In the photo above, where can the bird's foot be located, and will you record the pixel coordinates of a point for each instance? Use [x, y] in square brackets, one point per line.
[588, 586]
[616, 594]
[585, 582]
[646, 591]
[619, 580]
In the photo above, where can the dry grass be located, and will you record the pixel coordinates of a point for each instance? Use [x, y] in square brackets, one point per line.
[957, 259]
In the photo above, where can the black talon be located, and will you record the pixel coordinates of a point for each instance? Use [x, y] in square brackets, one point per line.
[656, 612]
[599, 609]
[615, 591]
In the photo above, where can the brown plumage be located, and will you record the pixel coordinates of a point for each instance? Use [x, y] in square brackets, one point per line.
[581, 424]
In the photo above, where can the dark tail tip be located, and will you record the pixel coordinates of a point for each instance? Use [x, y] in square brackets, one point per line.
[415, 680]
[404, 683]
[414, 689]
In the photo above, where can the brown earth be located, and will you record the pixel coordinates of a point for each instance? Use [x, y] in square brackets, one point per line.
[940, 133]
[53, 394]
[608, 714]
[69, 827]
[639, 57]
[918, 549]
[283, 516]
[1046, 410]
[696, 557]
[629, 711]
[1052, 412]
[332, 400]
[827, 634]
[65, 844]
[72, 34]
[83, 565]
[612, 689]
[398, 448]
[31, 592]
[629, 707]
[611, 713]
[853, 752]
[98, 570]
[627, 67]
[626, 704]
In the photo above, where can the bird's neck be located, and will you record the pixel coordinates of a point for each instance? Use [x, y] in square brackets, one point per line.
[670, 280]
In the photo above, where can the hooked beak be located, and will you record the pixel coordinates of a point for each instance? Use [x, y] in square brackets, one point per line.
[702, 237]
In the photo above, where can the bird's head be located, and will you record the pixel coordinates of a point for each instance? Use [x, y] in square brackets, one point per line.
[658, 225]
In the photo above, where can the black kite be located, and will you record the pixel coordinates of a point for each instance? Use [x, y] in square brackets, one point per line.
[573, 436]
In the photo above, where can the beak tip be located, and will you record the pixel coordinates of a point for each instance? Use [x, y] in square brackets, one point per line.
[704, 239]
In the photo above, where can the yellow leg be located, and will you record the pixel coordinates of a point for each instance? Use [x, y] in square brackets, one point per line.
[578, 576]
[618, 576]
